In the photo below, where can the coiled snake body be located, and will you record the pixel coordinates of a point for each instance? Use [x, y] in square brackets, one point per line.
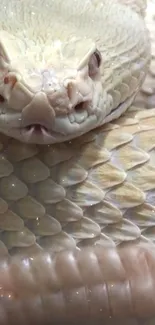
[77, 218]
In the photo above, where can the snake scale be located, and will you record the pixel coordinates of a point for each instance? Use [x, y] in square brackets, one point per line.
[77, 217]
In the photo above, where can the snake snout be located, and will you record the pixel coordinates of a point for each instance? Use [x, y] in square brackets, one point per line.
[38, 113]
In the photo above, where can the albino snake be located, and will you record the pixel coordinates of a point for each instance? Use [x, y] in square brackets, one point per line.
[77, 218]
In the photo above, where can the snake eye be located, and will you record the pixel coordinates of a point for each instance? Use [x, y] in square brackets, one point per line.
[94, 63]
[98, 57]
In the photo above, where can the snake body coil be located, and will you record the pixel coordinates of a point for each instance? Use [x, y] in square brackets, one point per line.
[77, 217]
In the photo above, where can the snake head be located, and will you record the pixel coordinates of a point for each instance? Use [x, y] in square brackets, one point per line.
[49, 93]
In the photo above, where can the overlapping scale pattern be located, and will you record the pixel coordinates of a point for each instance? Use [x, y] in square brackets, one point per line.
[146, 98]
[95, 190]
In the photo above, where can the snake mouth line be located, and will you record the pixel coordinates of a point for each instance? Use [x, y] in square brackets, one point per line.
[37, 128]
[36, 131]
[41, 134]
[121, 107]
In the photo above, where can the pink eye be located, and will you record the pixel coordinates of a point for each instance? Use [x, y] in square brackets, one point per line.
[6, 80]
[98, 57]
[10, 79]
[94, 63]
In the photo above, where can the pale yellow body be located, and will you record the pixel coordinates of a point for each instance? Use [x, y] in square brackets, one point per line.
[92, 188]
[95, 191]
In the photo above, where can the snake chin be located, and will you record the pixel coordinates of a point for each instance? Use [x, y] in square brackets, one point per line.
[45, 131]
[63, 129]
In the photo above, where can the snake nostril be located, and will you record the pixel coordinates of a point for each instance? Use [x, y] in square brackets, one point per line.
[80, 107]
[80, 113]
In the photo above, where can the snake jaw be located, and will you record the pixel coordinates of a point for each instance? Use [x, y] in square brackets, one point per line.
[78, 106]
[43, 122]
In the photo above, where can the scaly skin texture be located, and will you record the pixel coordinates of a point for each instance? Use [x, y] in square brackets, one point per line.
[77, 224]
[51, 74]
[146, 97]
[78, 221]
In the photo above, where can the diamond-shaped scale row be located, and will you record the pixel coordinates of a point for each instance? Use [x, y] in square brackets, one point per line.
[97, 189]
